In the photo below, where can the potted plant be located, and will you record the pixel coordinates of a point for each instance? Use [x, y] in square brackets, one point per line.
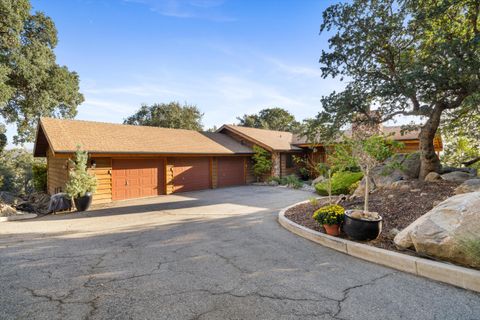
[81, 185]
[331, 218]
[367, 152]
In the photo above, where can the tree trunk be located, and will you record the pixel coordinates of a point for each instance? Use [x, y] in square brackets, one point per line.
[367, 191]
[429, 159]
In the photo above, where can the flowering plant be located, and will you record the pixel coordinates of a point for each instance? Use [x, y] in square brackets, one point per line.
[329, 215]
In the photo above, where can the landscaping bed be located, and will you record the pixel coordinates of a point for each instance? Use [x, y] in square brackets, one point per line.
[398, 207]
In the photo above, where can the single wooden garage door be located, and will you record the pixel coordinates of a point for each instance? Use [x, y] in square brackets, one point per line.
[191, 174]
[137, 178]
[231, 171]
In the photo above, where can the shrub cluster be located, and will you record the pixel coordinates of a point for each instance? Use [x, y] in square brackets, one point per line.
[291, 181]
[341, 183]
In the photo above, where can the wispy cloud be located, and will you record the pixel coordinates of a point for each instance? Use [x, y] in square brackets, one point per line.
[185, 9]
[294, 70]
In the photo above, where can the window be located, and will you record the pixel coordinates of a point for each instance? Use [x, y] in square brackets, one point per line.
[288, 161]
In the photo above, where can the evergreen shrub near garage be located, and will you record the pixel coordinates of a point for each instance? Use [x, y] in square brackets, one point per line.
[341, 183]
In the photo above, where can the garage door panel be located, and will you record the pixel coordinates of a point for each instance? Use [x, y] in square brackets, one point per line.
[231, 171]
[137, 178]
[191, 174]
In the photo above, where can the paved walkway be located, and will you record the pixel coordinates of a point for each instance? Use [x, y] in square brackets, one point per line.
[204, 255]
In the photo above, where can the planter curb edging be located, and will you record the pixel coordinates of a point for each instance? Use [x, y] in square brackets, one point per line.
[18, 217]
[447, 273]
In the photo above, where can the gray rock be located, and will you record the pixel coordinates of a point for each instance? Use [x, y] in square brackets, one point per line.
[318, 180]
[392, 233]
[433, 176]
[438, 232]
[472, 171]
[411, 165]
[457, 176]
[472, 185]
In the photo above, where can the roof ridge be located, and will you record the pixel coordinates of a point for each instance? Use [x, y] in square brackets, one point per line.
[114, 123]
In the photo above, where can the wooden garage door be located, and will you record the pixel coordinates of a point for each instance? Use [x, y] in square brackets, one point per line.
[231, 171]
[191, 174]
[137, 178]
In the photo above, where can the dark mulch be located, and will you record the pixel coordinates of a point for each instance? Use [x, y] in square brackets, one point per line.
[399, 208]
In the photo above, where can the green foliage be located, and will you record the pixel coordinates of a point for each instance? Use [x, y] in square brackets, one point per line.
[16, 171]
[308, 167]
[313, 202]
[32, 84]
[329, 215]
[353, 187]
[3, 137]
[406, 58]
[79, 180]
[470, 245]
[461, 139]
[272, 119]
[341, 182]
[292, 181]
[39, 175]
[262, 162]
[168, 115]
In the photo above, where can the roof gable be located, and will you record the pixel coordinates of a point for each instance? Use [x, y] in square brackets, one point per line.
[63, 136]
[269, 139]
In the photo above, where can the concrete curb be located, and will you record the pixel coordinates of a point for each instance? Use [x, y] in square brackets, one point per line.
[458, 276]
[18, 217]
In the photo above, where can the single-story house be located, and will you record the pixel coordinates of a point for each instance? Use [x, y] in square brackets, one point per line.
[138, 161]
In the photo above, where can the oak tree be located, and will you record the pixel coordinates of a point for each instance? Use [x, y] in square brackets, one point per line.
[402, 58]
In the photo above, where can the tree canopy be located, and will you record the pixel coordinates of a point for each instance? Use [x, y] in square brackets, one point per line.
[171, 115]
[270, 118]
[32, 84]
[401, 57]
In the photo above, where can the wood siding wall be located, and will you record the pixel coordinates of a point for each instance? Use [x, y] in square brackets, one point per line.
[284, 171]
[214, 171]
[169, 187]
[103, 173]
[57, 173]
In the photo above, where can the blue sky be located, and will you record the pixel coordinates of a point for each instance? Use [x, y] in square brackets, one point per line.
[229, 57]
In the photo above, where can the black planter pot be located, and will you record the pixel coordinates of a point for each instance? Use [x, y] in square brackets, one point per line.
[83, 203]
[362, 230]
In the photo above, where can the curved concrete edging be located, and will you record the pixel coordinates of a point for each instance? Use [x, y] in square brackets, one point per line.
[458, 276]
[18, 217]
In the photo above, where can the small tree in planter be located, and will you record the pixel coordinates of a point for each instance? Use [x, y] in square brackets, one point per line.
[367, 152]
[81, 184]
[262, 162]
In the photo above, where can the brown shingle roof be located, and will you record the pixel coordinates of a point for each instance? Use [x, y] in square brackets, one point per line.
[97, 137]
[271, 139]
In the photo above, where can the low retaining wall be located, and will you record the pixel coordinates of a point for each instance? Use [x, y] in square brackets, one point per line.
[458, 276]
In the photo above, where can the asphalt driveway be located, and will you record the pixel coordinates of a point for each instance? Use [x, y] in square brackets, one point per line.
[217, 254]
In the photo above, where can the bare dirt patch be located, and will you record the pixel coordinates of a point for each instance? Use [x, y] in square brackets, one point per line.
[399, 208]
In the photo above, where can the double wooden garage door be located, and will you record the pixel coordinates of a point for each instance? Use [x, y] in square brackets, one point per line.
[137, 178]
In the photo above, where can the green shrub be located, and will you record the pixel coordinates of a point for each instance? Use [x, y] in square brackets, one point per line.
[353, 187]
[79, 180]
[313, 201]
[330, 215]
[341, 182]
[471, 246]
[262, 162]
[292, 181]
[39, 171]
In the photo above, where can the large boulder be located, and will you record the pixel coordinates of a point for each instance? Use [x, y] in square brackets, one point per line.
[472, 171]
[439, 232]
[400, 167]
[472, 185]
[433, 176]
[457, 176]
[6, 210]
